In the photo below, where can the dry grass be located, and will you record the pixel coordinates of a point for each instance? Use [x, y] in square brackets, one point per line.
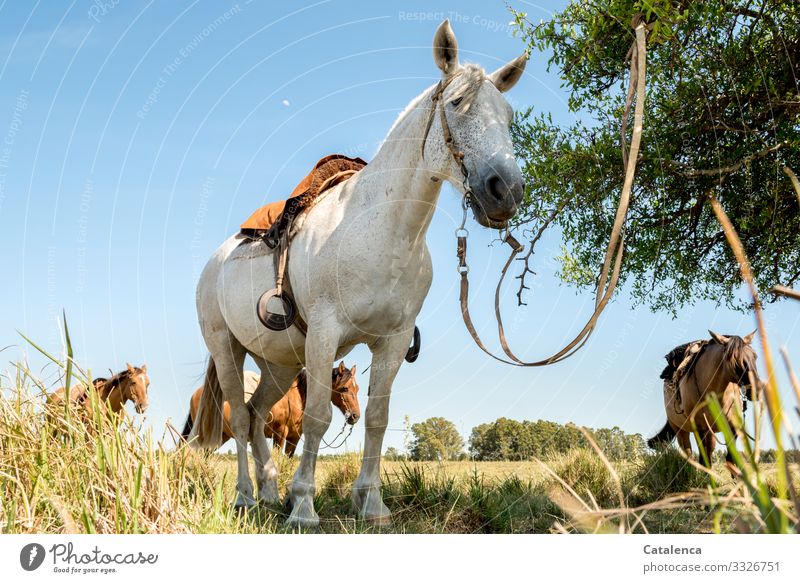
[57, 476]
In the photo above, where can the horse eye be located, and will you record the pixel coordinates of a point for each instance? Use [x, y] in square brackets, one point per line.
[456, 102]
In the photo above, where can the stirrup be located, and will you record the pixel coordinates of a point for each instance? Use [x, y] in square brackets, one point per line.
[273, 321]
[413, 351]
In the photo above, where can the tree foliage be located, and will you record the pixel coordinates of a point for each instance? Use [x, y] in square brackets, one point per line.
[722, 118]
[393, 455]
[510, 440]
[435, 439]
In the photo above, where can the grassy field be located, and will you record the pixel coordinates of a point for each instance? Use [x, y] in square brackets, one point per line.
[63, 474]
[55, 477]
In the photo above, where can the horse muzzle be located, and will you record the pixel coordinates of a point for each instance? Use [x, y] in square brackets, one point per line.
[496, 196]
[351, 417]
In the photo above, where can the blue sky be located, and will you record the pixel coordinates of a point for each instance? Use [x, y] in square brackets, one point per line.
[136, 136]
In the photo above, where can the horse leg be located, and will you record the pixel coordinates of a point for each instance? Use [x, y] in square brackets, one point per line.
[387, 356]
[273, 380]
[684, 441]
[730, 463]
[734, 414]
[292, 439]
[278, 439]
[321, 348]
[709, 443]
[228, 356]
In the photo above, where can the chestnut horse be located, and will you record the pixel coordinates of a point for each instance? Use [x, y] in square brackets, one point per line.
[719, 368]
[112, 394]
[284, 423]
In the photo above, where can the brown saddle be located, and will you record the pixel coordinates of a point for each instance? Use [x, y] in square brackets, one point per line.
[681, 359]
[272, 224]
[271, 221]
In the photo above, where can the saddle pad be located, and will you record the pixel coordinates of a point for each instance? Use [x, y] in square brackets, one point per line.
[263, 218]
[328, 172]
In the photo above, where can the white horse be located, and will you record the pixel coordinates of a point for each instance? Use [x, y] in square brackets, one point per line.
[360, 270]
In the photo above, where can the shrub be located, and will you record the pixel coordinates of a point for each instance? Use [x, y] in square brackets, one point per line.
[662, 473]
[586, 473]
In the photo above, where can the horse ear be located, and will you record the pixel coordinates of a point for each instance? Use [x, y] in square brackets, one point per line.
[130, 367]
[749, 338]
[719, 338]
[144, 368]
[507, 76]
[445, 49]
[353, 370]
[342, 368]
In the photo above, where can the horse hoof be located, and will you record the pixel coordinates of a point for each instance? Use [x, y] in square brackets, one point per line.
[242, 509]
[243, 503]
[296, 522]
[270, 500]
[269, 495]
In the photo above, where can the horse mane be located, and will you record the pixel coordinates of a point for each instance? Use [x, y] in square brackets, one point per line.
[341, 377]
[737, 353]
[302, 381]
[465, 86]
[105, 386]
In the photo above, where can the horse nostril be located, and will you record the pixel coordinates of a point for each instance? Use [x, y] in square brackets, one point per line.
[496, 187]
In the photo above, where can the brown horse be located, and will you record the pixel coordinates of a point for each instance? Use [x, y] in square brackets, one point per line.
[720, 368]
[112, 394]
[284, 424]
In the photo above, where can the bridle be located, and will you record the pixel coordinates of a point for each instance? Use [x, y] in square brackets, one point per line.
[609, 275]
[333, 444]
[457, 155]
[346, 427]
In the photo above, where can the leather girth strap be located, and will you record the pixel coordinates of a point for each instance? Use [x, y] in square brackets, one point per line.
[282, 291]
[328, 172]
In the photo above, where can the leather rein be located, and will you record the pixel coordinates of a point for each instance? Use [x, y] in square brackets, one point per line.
[609, 275]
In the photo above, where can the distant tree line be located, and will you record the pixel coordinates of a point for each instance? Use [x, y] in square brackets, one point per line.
[511, 440]
[438, 439]
[792, 456]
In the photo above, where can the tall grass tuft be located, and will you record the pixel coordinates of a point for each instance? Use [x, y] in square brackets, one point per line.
[662, 473]
[774, 508]
[66, 470]
[583, 471]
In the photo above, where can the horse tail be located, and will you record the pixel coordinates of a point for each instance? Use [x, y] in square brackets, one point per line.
[187, 428]
[206, 430]
[663, 437]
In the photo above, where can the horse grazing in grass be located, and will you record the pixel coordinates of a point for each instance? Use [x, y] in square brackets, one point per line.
[360, 270]
[112, 393]
[284, 424]
[720, 368]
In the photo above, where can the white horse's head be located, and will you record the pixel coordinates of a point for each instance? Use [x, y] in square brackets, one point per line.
[479, 120]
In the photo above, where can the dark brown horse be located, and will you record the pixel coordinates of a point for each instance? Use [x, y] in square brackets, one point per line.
[112, 393]
[720, 367]
[284, 424]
